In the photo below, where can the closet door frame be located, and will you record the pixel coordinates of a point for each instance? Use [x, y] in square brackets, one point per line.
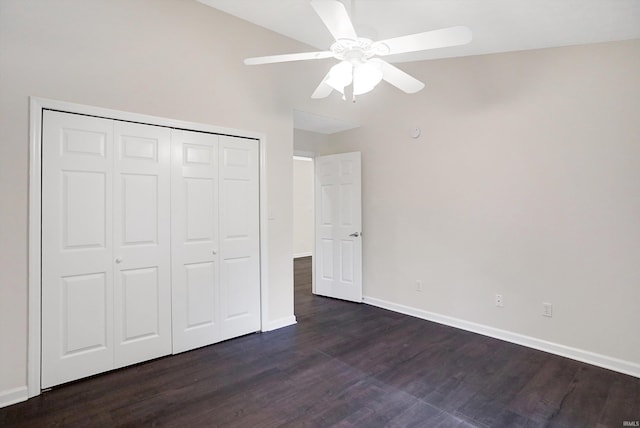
[37, 106]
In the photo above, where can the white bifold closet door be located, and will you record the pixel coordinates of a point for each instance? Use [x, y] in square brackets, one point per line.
[105, 245]
[150, 242]
[239, 237]
[195, 270]
[141, 242]
[215, 236]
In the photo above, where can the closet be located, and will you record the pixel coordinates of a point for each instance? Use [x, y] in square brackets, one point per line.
[150, 242]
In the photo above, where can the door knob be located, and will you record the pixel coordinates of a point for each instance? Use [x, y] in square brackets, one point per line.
[355, 234]
[118, 259]
[214, 252]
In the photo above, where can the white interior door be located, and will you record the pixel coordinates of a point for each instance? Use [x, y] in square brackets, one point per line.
[239, 236]
[338, 224]
[194, 209]
[77, 248]
[142, 246]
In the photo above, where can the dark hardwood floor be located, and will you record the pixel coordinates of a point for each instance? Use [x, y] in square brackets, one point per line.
[344, 364]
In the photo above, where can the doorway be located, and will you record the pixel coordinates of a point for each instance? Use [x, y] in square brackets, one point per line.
[303, 221]
[303, 229]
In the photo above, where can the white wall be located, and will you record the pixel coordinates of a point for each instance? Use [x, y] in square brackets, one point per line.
[307, 143]
[303, 214]
[170, 58]
[525, 182]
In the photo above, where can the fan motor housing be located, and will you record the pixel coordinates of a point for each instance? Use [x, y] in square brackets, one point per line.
[357, 50]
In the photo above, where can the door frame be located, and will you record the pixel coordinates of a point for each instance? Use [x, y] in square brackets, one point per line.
[36, 107]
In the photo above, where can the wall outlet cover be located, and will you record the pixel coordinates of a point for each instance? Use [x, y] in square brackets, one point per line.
[547, 310]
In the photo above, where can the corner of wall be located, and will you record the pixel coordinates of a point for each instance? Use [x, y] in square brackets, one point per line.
[13, 396]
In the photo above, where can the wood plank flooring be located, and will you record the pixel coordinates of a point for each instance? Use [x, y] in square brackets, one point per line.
[344, 365]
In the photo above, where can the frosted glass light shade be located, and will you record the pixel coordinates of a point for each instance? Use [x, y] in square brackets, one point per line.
[365, 77]
[340, 76]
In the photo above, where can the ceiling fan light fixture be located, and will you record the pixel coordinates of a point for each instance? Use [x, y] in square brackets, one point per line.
[365, 77]
[340, 75]
[359, 63]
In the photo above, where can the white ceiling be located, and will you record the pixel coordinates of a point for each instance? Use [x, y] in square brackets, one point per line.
[497, 25]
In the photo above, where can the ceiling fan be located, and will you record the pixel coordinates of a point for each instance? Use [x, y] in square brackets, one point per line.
[360, 69]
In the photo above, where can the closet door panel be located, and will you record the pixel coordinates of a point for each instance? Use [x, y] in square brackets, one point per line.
[239, 236]
[142, 247]
[194, 212]
[140, 295]
[200, 298]
[77, 306]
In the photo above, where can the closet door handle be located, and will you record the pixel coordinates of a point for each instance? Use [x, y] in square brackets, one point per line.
[214, 252]
[118, 259]
[355, 234]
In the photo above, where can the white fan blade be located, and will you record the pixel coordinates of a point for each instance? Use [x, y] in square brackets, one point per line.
[336, 18]
[399, 78]
[323, 90]
[445, 37]
[288, 57]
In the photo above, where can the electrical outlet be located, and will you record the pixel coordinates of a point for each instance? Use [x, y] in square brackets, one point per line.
[499, 301]
[547, 310]
[418, 285]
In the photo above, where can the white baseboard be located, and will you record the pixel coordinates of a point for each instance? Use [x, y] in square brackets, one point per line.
[611, 363]
[13, 396]
[298, 255]
[279, 323]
